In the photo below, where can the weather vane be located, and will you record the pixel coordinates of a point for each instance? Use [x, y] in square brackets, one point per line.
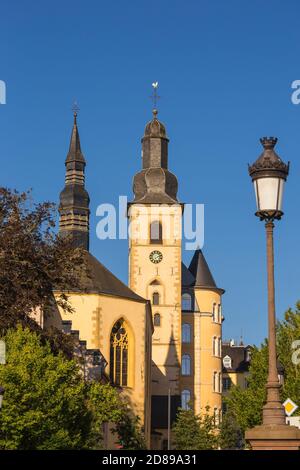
[75, 108]
[154, 95]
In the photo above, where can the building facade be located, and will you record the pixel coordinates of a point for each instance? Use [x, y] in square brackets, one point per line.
[160, 337]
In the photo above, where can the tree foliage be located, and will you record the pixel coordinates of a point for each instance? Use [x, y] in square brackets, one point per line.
[44, 403]
[34, 261]
[231, 435]
[247, 404]
[194, 432]
[48, 405]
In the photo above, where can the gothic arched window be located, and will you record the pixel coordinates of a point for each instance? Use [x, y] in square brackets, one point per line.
[119, 354]
[156, 319]
[186, 302]
[155, 298]
[155, 232]
[185, 399]
[186, 333]
[186, 365]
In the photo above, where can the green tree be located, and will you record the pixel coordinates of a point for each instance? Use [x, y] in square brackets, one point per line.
[231, 435]
[105, 406]
[44, 405]
[194, 432]
[128, 430]
[247, 404]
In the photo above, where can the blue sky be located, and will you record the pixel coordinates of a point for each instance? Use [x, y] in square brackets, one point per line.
[225, 71]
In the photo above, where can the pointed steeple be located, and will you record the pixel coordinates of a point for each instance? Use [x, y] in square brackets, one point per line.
[75, 153]
[74, 199]
[201, 272]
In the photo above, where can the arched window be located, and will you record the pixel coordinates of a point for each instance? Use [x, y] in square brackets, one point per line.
[186, 302]
[156, 319]
[220, 347]
[185, 399]
[186, 333]
[155, 232]
[186, 365]
[155, 298]
[119, 354]
[220, 382]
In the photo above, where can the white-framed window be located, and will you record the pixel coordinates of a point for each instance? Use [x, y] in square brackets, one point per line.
[186, 365]
[217, 382]
[186, 301]
[227, 362]
[186, 333]
[214, 312]
[219, 313]
[220, 347]
[185, 399]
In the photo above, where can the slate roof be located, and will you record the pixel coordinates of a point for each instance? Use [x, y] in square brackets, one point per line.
[201, 272]
[100, 280]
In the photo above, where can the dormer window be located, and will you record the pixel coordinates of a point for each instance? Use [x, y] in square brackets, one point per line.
[227, 362]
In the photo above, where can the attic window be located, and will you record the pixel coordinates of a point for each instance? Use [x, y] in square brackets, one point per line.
[227, 362]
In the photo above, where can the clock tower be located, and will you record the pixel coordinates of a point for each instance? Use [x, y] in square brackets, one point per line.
[155, 217]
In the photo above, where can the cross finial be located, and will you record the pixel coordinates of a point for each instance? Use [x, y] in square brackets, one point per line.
[75, 109]
[155, 97]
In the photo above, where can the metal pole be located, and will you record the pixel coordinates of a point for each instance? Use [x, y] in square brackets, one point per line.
[169, 418]
[273, 411]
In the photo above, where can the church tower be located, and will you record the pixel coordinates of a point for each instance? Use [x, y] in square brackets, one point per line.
[155, 217]
[74, 199]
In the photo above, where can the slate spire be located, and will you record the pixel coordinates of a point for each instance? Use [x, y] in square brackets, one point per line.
[201, 272]
[74, 199]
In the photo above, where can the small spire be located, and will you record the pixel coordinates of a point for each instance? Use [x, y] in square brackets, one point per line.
[75, 109]
[154, 97]
[75, 153]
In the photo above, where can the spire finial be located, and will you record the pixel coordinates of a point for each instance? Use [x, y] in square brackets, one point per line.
[75, 109]
[154, 98]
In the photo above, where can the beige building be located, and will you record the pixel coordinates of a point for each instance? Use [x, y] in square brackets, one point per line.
[160, 338]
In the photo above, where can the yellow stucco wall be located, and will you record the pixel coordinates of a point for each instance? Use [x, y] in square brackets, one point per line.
[166, 340]
[205, 363]
[94, 316]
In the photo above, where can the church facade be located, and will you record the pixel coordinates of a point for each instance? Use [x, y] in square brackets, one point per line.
[161, 335]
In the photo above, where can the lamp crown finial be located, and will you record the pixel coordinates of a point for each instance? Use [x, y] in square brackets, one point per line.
[268, 142]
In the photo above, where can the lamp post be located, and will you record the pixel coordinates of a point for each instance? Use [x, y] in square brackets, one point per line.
[269, 174]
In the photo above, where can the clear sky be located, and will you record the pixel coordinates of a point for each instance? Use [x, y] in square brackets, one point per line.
[225, 70]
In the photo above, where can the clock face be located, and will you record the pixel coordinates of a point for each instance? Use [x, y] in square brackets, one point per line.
[155, 256]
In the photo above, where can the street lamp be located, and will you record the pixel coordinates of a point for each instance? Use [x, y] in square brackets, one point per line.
[269, 174]
[1, 396]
